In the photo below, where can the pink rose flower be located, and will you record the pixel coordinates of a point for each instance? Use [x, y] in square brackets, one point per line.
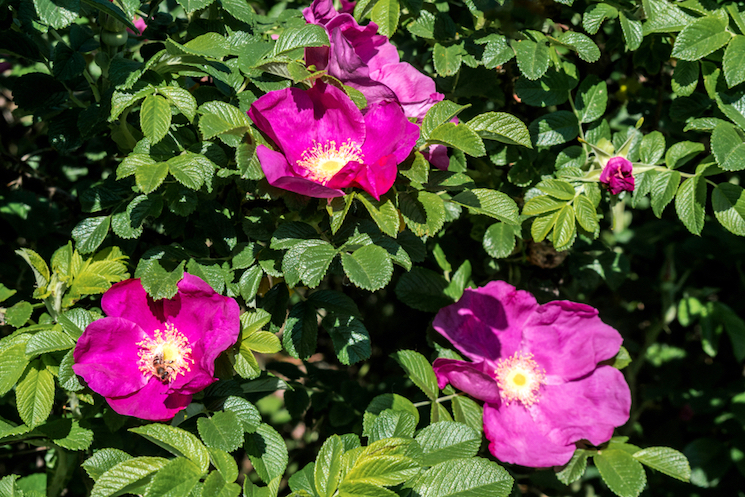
[148, 357]
[618, 175]
[325, 143]
[367, 61]
[538, 370]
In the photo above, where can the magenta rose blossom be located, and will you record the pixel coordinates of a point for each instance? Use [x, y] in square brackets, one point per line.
[326, 143]
[148, 357]
[369, 62]
[618, 175]
[538, 370]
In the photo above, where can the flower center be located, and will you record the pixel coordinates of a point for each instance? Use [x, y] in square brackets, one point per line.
[519, 378]
[324, 160]
[165, 356]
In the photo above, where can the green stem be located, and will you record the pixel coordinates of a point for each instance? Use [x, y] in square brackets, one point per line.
[439, 400]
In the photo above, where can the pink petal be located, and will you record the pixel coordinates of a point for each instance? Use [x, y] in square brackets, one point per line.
[415, 91]
[516, 438]
[127, 299]
[106, 356]
[152, 402]
[469, 377]
[437, 155]
[568, 340]
[588, 408]
[280, 175]
[486, 323]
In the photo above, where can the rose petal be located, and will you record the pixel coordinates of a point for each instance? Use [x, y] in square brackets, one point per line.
[588, 408]
[486, 323]
[279, 174]
[127, 299]
[516, 438]
[568, 340]
[468, 377]
[152, 402]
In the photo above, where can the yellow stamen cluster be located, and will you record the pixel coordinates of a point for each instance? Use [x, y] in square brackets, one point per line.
[324, 160]
[519, 378]
[166, 355]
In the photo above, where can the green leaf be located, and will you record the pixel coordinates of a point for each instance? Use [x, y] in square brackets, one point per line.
[48, 341]
[225, 464]
[423, 212]
[178, 442]
[18, 314]
[734, 61]
[309, 35]
[728, 147]
[557, 188]
[591, 99]
[491, 203]
[468, 412]
[447, 59]
[383, 212]
[181, 99]
[575, 468]
[623, 474]
[685, 77]
[13, 352]
[565, 229]
[216, 486]
[267, 451]
[35, 395]
[219, 117]
[191, 6]
[334, 301]
[191, 170]
[664, 186]
[350, 337]
[439, 114]
[633, 32]
[68, 380]
[328, 466]
[90, 233]
[211, 45]
[499, 240]
[155, 117]
[532, 57]
[423, 289]
[158, 282]
[665, 460]
[308, 261]
[248, 415]
[458, 136]
[700, 38]
[681, 153]
[728, 201]
[127, 475]
[689, 203]
[595, 14]
[239, 9]
[38, 265]
[103, 460]
[497, 52]
[652, 148]
[419, 370]
[582, 44]
[501, 127]
[150, 176]
[301, 331]
[392, 424]
[554, 129]
[447, 440]
[221, 431]
[542, 225]
[368, 267]
[175, 479]
[362, 489]
[57, 13]
[463, 477]
[385, 14]
[386, 402]
[586, 214]
[380, 470]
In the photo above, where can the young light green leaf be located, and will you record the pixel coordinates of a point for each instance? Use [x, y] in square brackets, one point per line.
[447, 440]
[13, 352]
[565, 228]
[328, 466]
[35, 394]
[127, 475]
[392, 424]
[308, 261]
[586, 214]
[542, 204]
[309, 35]
[385, 14]
[557, 188]
[181, 99]
[381, 470]
[150, 176]
[419, 370]
[178, 442]
[177, 478]
[18, 314]
[468, 412]
[155, 117]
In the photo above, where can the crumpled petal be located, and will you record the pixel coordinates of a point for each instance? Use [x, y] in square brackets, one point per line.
[516, 439]
[486, 323]
[550, 334]
[468, 377]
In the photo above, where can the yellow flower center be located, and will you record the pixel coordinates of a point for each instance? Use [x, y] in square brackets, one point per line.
[519, 378]
[324, 160]
[165, 356]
